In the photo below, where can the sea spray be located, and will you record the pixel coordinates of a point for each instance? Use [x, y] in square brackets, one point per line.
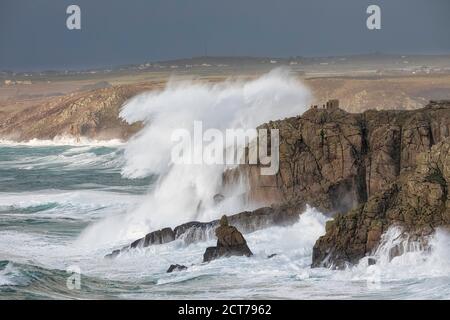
[413, 259]
[186, 192]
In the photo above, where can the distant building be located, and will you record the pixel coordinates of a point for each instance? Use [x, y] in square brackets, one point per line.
[332, 104]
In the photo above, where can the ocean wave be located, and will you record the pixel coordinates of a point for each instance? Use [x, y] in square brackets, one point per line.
[7, 274]
[141, 273]
[63, 140]
[414, 261]
[73, 159]
[64, 157]
[29, 281]
[74, 204]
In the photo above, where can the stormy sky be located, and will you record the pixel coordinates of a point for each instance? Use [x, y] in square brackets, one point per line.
[33, 33]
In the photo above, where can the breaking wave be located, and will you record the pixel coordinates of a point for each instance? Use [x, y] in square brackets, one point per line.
[186, 192]
[399, 257]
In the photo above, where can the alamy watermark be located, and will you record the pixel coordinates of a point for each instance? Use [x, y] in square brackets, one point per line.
[232, 147]
[73, 21]
[373, 22]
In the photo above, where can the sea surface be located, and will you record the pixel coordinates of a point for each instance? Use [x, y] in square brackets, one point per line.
[50, 194]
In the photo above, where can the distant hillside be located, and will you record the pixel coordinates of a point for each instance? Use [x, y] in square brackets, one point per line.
[92, 114]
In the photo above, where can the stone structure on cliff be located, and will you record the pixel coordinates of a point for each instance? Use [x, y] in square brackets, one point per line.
[230, 242]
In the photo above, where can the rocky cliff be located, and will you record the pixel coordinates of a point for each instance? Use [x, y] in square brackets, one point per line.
[334, 160]
[91, 114]
[418, 202]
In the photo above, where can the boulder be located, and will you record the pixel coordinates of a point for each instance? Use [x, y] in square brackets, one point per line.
[230, 242]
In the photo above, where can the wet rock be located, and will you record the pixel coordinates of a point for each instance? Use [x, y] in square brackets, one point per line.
[270, 256]
[335, 161]
[418, 202]
[371, 261]
[159, 237]
[156, 237]
[210, 254]
[230, 242]
[247, 221]
[195, 231]
[176, 267]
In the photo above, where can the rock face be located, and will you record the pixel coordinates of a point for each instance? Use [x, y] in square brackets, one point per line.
[418, 201]
[92, 114]
[334, 160]
[230, 242]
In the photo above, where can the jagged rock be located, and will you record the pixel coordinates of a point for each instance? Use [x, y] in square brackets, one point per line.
[230, 242]
[417, 201]
[210, 254]
[247, 221]
[159, 237]
[334, 160]
[176, 267]
[156, 237]
[195, 231]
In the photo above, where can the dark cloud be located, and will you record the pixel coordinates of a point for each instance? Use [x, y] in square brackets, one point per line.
[33, 34]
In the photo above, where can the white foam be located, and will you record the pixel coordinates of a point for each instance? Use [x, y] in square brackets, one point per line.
[63, 140]
[416, 261]
[409, 275]
[75, 204]
[293, 246]
[77, 157]
[7, 275]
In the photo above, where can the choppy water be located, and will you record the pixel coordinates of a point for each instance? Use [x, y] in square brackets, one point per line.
[50, 194]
